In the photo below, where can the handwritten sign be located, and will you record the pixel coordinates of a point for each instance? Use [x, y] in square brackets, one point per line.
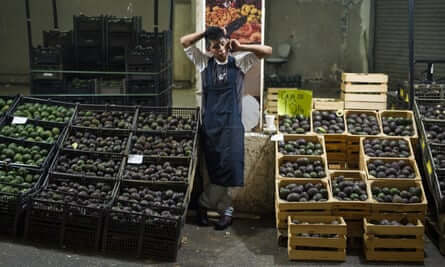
[294, 102]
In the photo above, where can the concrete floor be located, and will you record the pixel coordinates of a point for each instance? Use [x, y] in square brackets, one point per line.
[246, 243]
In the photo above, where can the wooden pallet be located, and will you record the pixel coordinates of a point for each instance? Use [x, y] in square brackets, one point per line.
[317, 248]
[404, 114]
[281, 160]
[364, 91]
[412, 210]
[328, 104]
[350, 209]
[412, 162]
[387, 243]
[317, 139]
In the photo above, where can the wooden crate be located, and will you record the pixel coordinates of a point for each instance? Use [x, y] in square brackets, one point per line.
[281, 160]
[317, 248]
[272, 100]
[306, 133]
[354, 228]
[335, 147]
[327, 134]
[393, 243]
[353, 139]
[312, 138]
[328, 103]
[404, 114]
[306, 208]
[362, 147]
[414, 210]
[412, 162]
[350, 209]
[364, 91]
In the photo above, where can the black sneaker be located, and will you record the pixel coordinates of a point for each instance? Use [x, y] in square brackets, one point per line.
[224, 222]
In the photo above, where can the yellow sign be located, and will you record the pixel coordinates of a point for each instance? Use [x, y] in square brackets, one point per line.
[428, 167]
[402, 92]
[407, 98]
[295, 102]
[422, 143]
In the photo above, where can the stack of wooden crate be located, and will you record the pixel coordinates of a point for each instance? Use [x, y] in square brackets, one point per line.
[364, 91]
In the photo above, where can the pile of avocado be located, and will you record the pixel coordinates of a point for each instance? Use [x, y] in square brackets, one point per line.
[397, 195]
[30, 132]
[18, 154]
[300, 147]
[44, 112]
[15, 181]
[5, 105]
[294, 124]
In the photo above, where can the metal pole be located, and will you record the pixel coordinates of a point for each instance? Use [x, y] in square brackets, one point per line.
[156, 19]
[171, 14]
[55, 18]
[411, 51]
[28, 26]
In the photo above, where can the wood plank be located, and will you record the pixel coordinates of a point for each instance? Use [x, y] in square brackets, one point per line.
[365, 105]
[316, 255]
[328, 103]
[396, 256]
[395, 242]
[363, 88]
[272, 98]
[365, 77]
[365, 97]
[318, 242]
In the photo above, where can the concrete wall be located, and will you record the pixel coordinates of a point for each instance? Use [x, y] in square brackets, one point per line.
[326, 36]
[13, 47]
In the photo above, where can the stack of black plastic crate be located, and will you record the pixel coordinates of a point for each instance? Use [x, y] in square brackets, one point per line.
[153, 60]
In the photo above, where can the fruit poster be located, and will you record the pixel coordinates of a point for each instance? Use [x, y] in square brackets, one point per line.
[242, 18]
[295, 102]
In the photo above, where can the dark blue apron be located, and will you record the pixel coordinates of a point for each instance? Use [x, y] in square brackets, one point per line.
[222, 129]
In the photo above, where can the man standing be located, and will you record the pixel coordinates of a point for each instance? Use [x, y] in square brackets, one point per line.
[222, 131]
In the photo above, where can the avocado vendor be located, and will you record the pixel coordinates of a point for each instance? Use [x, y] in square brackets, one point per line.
[222, 131]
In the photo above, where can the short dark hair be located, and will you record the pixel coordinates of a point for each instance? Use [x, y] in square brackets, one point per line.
[213, 34]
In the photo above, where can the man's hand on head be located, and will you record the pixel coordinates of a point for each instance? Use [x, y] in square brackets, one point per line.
[235, 45]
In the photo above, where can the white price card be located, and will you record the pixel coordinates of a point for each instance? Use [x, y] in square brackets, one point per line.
[19, 120]
[277, 137]
[135, 159]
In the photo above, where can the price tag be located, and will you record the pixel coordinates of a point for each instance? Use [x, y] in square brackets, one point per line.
[277, 137]
[135, 159]
[48, 74]
[19, 120]
[75, 145]
[428, 167]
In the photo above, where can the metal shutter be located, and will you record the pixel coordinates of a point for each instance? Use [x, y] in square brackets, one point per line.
[391, 37]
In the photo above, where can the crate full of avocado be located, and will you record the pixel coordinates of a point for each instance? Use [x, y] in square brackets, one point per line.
[32, 131]
[44, 110]
[23, 153]
[16, 184]
[6, 103]
[167, 119]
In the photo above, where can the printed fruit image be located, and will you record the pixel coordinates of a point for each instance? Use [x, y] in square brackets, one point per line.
[44, 112]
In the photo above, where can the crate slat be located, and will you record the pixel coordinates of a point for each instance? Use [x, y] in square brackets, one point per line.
[364, 77]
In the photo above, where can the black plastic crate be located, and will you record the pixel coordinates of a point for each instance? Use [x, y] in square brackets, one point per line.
[7, 103]
[84, 23]
[48, 72]
[159, 100]
[46, 56]
[12, 206]
[111, 86]
[89, 58]
[425, 131]
[66, 224]
[72, 99]
[147, 161]
[47, 126]
[45, 164]
[110, 100]
[155, 151]
[34, 100]
[134, 234]
[47, 86]
[436, 153]
[67, 145]
[56, 38]
[427, 103]
[105, 108]
[89, 155]
[191, 114]
[81, 86]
